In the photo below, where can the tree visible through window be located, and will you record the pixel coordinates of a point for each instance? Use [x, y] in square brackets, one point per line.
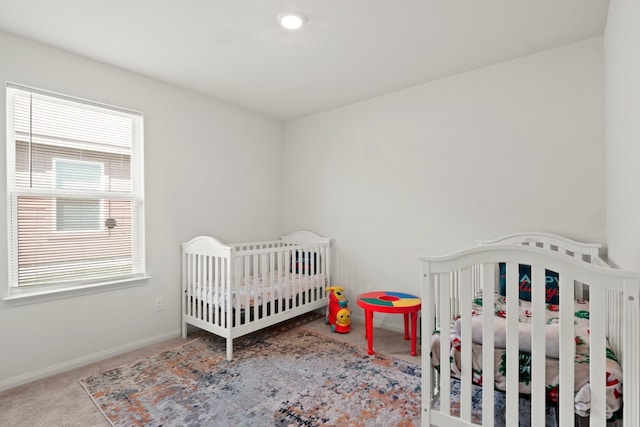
[75, 190]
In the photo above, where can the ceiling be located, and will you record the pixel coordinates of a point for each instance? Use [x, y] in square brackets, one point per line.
[348, 51]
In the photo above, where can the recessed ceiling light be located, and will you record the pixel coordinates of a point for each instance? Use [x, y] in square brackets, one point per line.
[291, 21]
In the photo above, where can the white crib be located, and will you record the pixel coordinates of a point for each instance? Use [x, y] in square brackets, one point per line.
[450, 289]
[233, 290]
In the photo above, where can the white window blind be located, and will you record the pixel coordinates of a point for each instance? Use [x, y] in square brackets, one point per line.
[75, 186]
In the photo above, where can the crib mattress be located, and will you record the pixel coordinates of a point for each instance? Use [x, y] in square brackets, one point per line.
[582, 397]
[259, 289]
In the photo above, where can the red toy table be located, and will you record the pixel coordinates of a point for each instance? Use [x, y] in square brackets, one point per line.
[390, 302]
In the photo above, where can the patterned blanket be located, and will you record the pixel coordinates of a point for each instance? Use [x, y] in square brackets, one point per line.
[582, 389]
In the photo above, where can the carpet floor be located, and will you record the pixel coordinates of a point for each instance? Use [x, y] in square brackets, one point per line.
[295, 377]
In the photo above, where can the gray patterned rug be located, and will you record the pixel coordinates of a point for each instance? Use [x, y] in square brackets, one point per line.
[296, 377]
[500, 405]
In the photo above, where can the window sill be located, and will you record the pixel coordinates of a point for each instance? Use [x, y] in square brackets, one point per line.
[40, 295]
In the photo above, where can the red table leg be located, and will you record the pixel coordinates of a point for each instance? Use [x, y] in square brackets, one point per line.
[368, 315]
[406, 326]
[414, 330]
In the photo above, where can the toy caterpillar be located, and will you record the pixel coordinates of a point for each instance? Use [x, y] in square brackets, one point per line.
[338, 314]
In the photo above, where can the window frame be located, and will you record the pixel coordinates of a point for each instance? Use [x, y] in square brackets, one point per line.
[54, 290]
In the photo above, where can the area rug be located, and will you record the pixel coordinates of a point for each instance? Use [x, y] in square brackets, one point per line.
[287, 378]
[500, 405]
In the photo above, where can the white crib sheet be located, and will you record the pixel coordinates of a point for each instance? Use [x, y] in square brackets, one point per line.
[263, 288]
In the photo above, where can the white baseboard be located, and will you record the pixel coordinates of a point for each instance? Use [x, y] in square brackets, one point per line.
[84, 360]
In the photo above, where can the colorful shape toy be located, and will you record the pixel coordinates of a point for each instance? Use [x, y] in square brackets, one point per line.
[338, 315]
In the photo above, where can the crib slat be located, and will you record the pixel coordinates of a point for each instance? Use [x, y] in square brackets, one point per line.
[183, 295]
[225, 312]
[242, 281]
[323, 270]
[272, 282]
[598, 360]
[251, 288]
[630, 352]
[187, 283]
[201, 306]
[267, 284]
[215, 279]
[251, 307]
[199, 285]
[615, 319]
[288, 260]
[306, 288]
[282, 272]
[456, 292]
[202, 272]
[202, 303]
[294, 281]
[303, 278]
[538, 340]
[242, 298]
[203, 286]
[310, 281]
[466, 374]
[186, 262]
[258, 286]
[190, 289]
[193, 267]
[207, 298]
[304, 291]
[445, 367]
[234, 303]
[218, 312]
[428, 297]
[192, 283]
[488, 359]
[300, 273]
[512, 411]
[313, 271]
[567, 350]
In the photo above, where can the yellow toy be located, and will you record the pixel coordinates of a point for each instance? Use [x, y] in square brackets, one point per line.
[338, 314]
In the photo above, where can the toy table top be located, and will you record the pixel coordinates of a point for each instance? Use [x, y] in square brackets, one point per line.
[389, 302]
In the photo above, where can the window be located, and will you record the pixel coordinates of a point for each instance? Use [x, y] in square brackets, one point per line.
[77, 214]
[75, 189]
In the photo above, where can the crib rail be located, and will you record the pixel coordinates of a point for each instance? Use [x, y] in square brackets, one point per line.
[589, 252]
[450, 284]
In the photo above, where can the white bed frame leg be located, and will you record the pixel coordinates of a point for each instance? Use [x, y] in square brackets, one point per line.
[184, 329]
[229, 348]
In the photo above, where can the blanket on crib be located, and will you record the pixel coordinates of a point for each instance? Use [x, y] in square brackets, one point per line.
[254, 290]
[552, 334]
[581, 315]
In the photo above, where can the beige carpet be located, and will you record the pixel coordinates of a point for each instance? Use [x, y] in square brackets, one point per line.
[60, 400]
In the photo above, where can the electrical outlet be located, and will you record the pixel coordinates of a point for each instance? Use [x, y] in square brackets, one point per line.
[159, 304]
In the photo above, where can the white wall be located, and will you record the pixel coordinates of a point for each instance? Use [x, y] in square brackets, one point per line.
[210, 169]
[427, 170]
[622, 61]
[514, 147]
